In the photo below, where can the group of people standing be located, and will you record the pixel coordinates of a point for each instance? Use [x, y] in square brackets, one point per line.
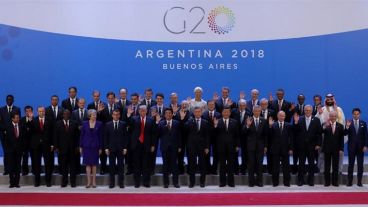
[212, 135]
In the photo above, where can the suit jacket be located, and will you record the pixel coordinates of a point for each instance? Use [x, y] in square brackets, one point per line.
[226, 138]
[105, 113]
[281, 142]
[92, 105]
[357, 140]
[250, 106]
[299, 109]
[91, 138]
[206, 116]
[49, 113]
[197, 140]
[333, 142]
[116, 140]
[256, 136]
[270, 113]
[11, 143]
[150, 132]
[41, 136]
[163, 108]
[76, 116]
[66, 140]
[153, 103]
[66, 104]
[235, 114]
[26, 125]
[308, 138]
[169, 138]
[274, 105]
[5, 115]
[220, 105]
[121, 106]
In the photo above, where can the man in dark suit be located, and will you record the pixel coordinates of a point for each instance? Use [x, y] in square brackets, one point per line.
[281, 138]
[225, 100]
[253, 102]
[333, 144]
[116, 147]
[66, 144]
[5, 112]
[79, 115]
[317, 99]
[42, 146]
[142, 143]
[268, 113]
[148, 101]
[106, 116]
[241, 114]
[169, 134]
[14, 145]
[356, 130]
[228, 142]
[299, 110]
[209, 115]
[308, 138]
[256, 129]
[97, 104]
[25, 122]
[123, 101]
[282, 105]
[54, 113]
[197, 145]
[71, 103]
[184, 112]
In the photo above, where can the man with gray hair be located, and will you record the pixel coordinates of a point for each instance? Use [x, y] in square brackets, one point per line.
[253, 101]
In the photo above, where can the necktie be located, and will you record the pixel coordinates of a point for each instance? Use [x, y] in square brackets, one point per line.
[198, 127]
[141, 136]
[123, 103]
[96, 105]
[9, 109]
[134, 110]
[148, 104]
[66, 126]
[281, 127]
[356, 126]
[159, 110]
[308, 123]
[169, 125]
[301, 109]
[211, 116]
[115, 126]
[226, 126]
[257, 123]
[111, 108]
[280, 105]
[16, 131]
[81, 114]
[333, 128]
[241, 117]
[41, 124]
[73, 103]
[54, 110]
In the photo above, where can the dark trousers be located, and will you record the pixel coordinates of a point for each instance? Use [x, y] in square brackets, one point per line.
[244, 155]
[284, 158]
[170, 165]
[304, 154]
[67, 164]
[359, 155]
[77, 162]
[226, 156]
[181, 156]
[295, 167]
[331, 158]
[213, 151]
[14, 164]
[42, 151]
[116, 162]
[25, 156]
[142, 161]
[255, 165]
[197, 154]
[103, 160]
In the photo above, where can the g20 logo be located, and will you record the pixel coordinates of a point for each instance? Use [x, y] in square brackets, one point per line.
[221, 20]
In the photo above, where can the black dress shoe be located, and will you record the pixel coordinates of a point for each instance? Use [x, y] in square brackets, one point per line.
[102, 172]
[48, 184]
[327, 184]
[335, 184]
[136, 186]
[11, 186]
[311, 184]
[176, 185]
[36, 185]
[166, 186]
[122, 186]
[360, 184]
[191, 185]
[251, 185]
[63, 185]
[111, 186]
[300, 183]
[287, 184]
[222, 185]
[147, 185]
[17, 186]
[202, 185]
[231, 185]
[73, 185]
[260, 185]
[6, 173]
[275, 184]
[349, 184]
[129, 173]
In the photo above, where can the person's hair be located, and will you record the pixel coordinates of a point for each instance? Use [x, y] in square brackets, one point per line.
[356, 109]
[13, 114]
[73, 87]
[173, 94]
[168, 109]
[254, 91]
[90, 112]
[226, 88]
[134, 94]
[142, 107]
[54, 96]
[95, 91]
[263, 100]
[123, 89]
[9, 96]
[226, 108]
[116, 110]
[280, 90]
[28, 107]
[211, 100]
[242, 101]
[148, 90]
[66, 111]
[308, 105]
[301, 95]
[332, 113]
[257, 107]
[81, 99]
[197, 107]
[160, 95]
[110, 93]
[317, 96]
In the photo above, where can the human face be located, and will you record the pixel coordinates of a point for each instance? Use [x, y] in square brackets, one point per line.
[356, 115]
[308, 111]
[116, 115]
[72, 93]
[197, 113]
[281, 116]
[168, 115]
[41, 112]
[226, 113]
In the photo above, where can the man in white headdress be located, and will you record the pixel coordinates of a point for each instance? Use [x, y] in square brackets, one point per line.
[323, 115]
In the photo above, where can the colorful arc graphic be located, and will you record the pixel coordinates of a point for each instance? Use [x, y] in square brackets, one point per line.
[221, 29]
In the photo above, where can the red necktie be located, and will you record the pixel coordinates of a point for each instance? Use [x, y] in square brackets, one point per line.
[16, 132]
[41, 124]
[141, 136]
